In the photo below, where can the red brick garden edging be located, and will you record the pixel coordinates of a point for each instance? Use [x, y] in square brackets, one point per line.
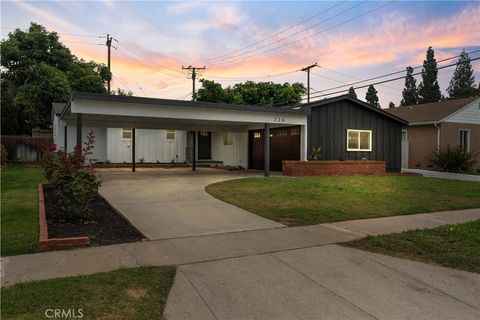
[47, 244]
[333, 168]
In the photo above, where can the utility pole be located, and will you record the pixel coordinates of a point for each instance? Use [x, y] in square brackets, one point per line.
[108, 43]
[307, 70]
[193, 71]
[109, 50]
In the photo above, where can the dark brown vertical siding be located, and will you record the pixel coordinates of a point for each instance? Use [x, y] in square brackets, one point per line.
[328, 124]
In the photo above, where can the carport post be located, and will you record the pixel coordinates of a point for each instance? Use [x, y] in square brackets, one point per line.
[79, 130]
[133, 149]
[194, 164]
[266, 150]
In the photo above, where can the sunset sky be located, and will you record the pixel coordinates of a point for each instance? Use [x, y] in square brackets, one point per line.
[349, 40]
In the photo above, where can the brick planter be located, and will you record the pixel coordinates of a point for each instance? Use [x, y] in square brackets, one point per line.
[333, 168]
[46, 243]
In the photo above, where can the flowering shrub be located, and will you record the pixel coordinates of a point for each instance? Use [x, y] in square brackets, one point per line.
[73, 178]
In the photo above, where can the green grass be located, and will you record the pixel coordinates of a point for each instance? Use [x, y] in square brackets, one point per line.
[139, 293]
[19, 208]
[455, 246]
[313, 200]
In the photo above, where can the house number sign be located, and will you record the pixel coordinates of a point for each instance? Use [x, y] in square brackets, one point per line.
[278, 119]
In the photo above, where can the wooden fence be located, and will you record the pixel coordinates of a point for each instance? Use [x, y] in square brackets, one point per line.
[28, 149]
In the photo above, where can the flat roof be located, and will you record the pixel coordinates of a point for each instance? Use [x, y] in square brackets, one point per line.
[183, 103]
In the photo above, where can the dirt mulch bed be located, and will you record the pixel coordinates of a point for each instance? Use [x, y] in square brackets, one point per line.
[104, 226]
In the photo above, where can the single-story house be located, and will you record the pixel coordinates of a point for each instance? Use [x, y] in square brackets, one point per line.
[432, 125]
[137, 129]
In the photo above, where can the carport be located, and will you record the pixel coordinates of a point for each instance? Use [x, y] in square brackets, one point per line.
[110, 111]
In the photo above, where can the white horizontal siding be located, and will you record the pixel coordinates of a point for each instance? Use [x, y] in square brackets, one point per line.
[470, 114]
[99, 153]
[231, 155]
[151, 146]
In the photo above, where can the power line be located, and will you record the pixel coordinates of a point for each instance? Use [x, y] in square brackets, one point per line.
[253, 77]
[389, 80]
[123, 84]
[275, 34]
[282, 39]
[307, 70]
[390, 74]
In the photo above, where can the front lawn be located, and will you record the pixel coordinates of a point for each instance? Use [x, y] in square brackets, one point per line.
[139, 293]
[454, 246]
[19, 208]
[313, 200]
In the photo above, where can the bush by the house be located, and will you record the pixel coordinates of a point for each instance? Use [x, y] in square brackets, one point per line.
[453, 159]
[315, 154]
[73, 179]
[3, 155]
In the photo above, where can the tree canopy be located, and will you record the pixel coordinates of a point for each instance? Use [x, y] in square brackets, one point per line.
[37, 69]
[409, 93]
[462, 84]
[429, 89]
[352, 93]
[252, 93]
[372, 97]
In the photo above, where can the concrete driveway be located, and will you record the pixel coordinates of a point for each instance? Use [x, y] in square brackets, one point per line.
[172, 203]
[325, 282]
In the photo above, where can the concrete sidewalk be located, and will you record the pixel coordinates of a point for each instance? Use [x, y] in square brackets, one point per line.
[327, 282]
[444, 175]
[189, 250]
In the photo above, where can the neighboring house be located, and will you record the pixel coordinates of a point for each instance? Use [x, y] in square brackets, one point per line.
[187, 131]
[432, 125]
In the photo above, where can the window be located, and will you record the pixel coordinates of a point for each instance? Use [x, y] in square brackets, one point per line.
[257, 135]
[281, 133]
[127, 134]
[228, 139]
[359, 140]
[465, 139]
[170, 134]
[203, 134]
[295, 131]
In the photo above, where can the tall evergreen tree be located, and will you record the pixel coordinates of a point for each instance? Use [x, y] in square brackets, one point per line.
[352, 93]
[463, 81]
[409, 93]
[391, 105]
[372, 96]
[429, 89]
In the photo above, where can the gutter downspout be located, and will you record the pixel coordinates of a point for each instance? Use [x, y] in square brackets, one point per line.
[438, 134]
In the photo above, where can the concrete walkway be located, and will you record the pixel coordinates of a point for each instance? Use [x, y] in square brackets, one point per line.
[172, 203]
[444, 175]
[47, 265]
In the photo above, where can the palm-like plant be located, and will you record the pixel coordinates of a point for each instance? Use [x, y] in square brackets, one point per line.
[453, 159]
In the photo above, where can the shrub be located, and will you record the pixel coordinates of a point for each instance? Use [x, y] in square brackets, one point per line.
[3, 154]
[73, 179]
[453, 159]
[315, 154]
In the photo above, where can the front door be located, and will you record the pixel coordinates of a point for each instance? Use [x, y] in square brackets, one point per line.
[204, 145]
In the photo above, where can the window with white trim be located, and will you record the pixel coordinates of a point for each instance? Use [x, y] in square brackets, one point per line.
[228, 139]
[465, 139]
[170, 134]
[359, 140]
[127, 134]
[257, 135]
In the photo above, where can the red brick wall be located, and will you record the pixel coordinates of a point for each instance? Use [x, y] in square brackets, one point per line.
[333, 168]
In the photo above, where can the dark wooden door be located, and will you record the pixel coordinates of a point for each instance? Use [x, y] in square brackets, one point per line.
[204, 145]
[284, 145]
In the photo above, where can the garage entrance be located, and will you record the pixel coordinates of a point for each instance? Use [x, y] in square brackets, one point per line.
[284, 145]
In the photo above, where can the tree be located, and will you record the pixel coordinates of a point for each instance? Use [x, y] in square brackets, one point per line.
[429, 89]
[372, 96]
[352, 93]
[409, 93]
[391, 105]
[36, 70]
[462, 84]
[120, 92]
[252, 93]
